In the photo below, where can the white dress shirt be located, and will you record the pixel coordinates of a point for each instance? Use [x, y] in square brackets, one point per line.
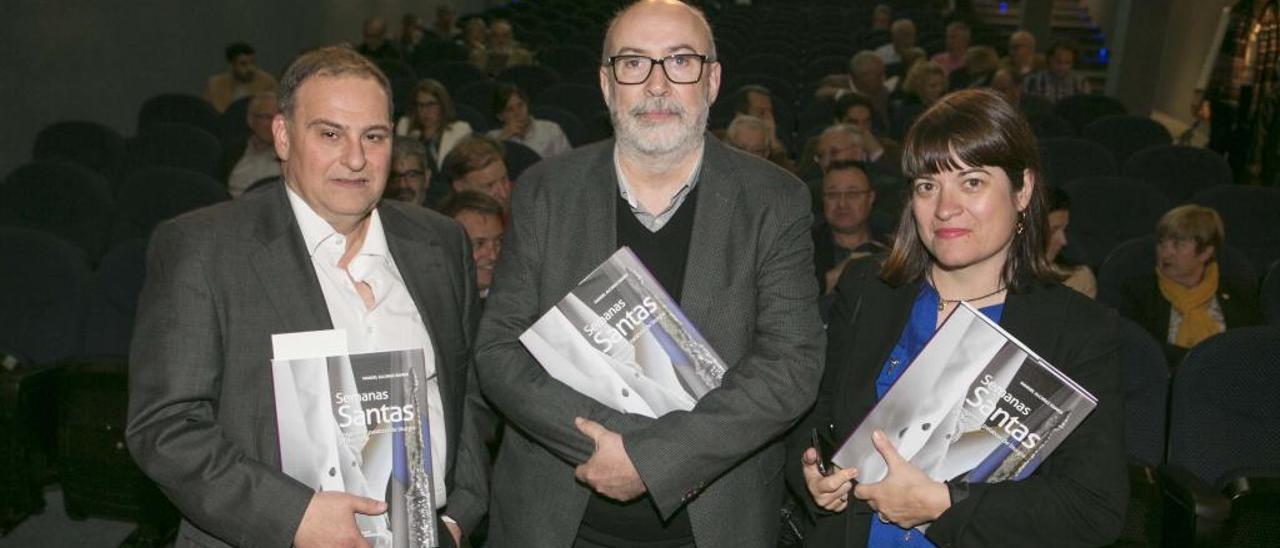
[392, 324]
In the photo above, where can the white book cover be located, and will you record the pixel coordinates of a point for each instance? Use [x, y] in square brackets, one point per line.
[975, 403]
[620, 339]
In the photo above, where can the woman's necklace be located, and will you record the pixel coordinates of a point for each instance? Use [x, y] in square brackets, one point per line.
[942, 303]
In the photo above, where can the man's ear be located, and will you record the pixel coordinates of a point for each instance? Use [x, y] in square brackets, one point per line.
[713, 83]
[280, 133]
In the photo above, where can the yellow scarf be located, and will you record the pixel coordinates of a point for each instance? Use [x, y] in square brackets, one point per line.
[1192, 303]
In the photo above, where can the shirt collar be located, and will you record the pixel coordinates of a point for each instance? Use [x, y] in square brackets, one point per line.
[316, 231]
[689, 182]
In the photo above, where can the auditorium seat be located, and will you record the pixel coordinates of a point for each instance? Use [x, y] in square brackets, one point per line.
[479, 120]
[1269, 296]
[1222, 478]
[453, 74]
[28, 407]
[569, 122]
[1144, 378]
[518, 158]
[531, 79]
[568, 59]
[178, 145]
[63, 199]
[177, 108]
[1179, 171]
[1137, 257]
[42, 293]
[1108, 210]
[583, 100]
[1082, 109]
[1252, 218]
[1124, 135]
[1065, 159]
[152, 195]
[89, 144]
[113, 299]
[478, 94]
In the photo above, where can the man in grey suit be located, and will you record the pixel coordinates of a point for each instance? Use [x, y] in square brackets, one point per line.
[726, 234]
[316, 252]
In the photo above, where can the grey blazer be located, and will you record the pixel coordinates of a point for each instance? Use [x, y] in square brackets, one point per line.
[220, 281]
[749, 289]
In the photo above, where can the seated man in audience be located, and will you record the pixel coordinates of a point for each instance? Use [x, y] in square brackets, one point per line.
[476, 163]
[1022, 59]
[857, 110]
[446, 25]
[410, 173]
[757, 101]
[1060, 80]
[866, 76]
[259, 159]
[845, 233]
[881, 17]
[749, 134]
[484, 220]
[957, 40]
[412, 33]
[503, 50]
[242, 78]
[376, 46]
[902, 37]
[1006, 83]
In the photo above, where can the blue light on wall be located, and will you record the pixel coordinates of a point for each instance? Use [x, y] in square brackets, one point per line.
[1004, 7]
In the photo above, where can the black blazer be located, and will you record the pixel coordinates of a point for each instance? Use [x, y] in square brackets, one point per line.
[1078, 495]
[1142, 302]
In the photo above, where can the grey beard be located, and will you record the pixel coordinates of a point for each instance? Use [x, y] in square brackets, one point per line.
[631, 139]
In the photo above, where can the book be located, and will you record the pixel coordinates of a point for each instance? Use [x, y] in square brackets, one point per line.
[975, 404]
[619, 338]
[358, 423]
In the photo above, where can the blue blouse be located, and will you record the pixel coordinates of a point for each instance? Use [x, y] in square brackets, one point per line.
[921, 324]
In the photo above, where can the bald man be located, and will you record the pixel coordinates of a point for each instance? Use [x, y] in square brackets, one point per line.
[726, 234]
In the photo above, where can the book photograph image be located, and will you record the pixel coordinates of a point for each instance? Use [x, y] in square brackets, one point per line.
[619, 338]
[975, 404]
[358, 424]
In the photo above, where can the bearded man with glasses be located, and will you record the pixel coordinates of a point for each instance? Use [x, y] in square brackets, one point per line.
[727, 235]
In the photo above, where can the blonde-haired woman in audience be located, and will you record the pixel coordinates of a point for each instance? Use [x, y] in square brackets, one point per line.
[433, 120]
[1188, 299]
[924, 85]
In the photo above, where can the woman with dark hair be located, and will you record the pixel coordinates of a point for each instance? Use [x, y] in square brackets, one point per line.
[974, 229]
[433, 121]
[511, 107]
[1078, 276]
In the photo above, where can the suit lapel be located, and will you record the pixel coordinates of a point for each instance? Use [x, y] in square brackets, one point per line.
[597, 208]
[1028, 316]
[284, 268]
[709, 266]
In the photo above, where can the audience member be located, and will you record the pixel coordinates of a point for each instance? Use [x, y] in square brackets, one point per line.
[412, 33]
[484, 220]
[1078, 276]
[1060, 80]
[475, 37]
[845, 233]
[316, 251]
[902, 38]
[757, 101]
[477, 164]
[241, 79]
[856, 109]
[866, 76]
[1006, 83]
[433, 121]
[831, 86]
[259, 159]
[503, 50]
[749, 134]
[410, 172]
[511, 107]
[1188, 299]
[375, 45]
[923, 86]
[881, 17]
[445, 26]
[980, 65]
[1023, 59]
[957, 40]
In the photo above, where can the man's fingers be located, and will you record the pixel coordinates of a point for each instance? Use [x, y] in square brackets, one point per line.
[367, 506]
[590, 428]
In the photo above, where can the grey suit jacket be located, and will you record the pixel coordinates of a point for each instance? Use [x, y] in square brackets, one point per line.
[222, 280]
[749, 289]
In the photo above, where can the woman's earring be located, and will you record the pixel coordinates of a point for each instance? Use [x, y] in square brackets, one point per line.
[1022, 215]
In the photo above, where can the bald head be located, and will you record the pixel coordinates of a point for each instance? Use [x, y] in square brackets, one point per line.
[646, 9]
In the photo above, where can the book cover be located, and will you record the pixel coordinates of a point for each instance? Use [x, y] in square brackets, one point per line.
[358, 423]
[620, 339]
[975, 403]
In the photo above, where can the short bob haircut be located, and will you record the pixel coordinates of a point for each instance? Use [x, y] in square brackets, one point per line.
[1199, 224]
[975, 127]
[435, 89]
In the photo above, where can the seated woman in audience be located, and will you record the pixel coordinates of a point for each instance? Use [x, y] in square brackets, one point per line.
[1079, 277]
[511, 107]
[433, 121]
[1187, 299]
[974, 229]
[924, 85]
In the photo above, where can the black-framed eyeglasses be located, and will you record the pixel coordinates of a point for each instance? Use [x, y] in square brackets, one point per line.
[680, 68]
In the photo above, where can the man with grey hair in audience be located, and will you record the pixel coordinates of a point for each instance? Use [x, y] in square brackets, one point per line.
[902, 36]
[867, 76]
[410, 175]
[749, 134]
[258, 161]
